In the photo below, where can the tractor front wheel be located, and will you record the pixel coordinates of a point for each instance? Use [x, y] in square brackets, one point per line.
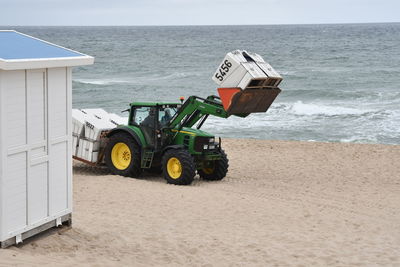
[122, 155]
[178, 167]
[215, 170]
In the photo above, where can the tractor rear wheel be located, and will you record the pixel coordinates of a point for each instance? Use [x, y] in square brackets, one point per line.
[122, 155]
[215, 170]
[178, 167]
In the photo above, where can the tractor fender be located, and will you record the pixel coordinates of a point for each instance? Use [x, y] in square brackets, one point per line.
[125, 130]
[171, 147]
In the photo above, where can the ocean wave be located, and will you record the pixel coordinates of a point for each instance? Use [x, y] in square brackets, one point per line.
[300, 108]
[337, 58]
[138, 79]
[169, 76]
[283, 72]
[100, 82]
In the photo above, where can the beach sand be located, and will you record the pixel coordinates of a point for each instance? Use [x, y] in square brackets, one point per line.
[282, 204]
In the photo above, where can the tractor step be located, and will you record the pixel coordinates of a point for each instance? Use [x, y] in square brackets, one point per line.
[147, 159]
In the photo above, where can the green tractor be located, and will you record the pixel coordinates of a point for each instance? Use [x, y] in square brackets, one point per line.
[160, 137]
[167, 137]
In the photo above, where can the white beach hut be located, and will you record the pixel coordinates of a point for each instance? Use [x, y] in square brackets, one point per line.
[35, 135]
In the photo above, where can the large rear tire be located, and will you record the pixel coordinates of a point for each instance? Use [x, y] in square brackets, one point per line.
[178, 167]
[122, 155]
[215, 170]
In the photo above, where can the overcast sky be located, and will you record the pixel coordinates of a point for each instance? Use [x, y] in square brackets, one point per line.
[195, 12]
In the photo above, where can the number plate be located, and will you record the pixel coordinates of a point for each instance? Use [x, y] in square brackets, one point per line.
[223, 70]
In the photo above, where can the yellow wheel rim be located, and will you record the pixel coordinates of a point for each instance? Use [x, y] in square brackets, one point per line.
[174, 168]
[121, 156]
[209, 169]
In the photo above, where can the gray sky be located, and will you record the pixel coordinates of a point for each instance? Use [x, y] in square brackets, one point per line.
[195, 12]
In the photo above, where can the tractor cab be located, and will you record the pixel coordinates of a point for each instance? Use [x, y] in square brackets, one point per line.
[152, 119]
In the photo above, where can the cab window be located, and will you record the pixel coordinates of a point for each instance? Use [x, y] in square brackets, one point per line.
[140, 114]
[165, 115]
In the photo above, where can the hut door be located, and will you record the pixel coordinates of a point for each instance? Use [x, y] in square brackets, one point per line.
[37, 145]
[25, 173]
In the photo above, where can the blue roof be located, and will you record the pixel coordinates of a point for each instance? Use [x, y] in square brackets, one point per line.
[14, 45]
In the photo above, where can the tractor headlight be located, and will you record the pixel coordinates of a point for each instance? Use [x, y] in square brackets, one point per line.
[204, 143]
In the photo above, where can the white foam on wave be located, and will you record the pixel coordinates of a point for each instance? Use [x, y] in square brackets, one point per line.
[300, 108]
[175, 75]
[138, 79]
[362, 139]
[101, 82]
[287, 72]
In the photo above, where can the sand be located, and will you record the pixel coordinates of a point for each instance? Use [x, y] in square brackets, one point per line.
[282, 204]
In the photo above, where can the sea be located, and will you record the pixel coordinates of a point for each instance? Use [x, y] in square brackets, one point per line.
[341, 83]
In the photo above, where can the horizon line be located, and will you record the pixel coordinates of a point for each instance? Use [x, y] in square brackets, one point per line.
[216, 25]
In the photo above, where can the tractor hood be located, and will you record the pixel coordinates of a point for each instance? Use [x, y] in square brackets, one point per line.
[193, 132]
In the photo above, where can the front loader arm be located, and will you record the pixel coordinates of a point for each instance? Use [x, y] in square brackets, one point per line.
[196, 108]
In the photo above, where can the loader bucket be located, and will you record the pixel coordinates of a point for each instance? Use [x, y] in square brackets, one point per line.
[250, 100]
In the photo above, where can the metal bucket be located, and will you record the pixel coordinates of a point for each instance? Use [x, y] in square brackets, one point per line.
[250, 100]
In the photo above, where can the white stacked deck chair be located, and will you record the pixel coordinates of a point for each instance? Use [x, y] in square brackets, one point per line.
[96, 123]
[243, 70]
[92, 126]
[78, 127]
[35, 135]
[246, 83]
[118, 120]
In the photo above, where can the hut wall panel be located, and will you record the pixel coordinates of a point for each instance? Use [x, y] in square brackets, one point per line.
[58, 140]
[36, 89]
[57, 102]
[37, 141]
[14, 141]
[38, 193]
[58, 183]
[14, 193]
[15, 102]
